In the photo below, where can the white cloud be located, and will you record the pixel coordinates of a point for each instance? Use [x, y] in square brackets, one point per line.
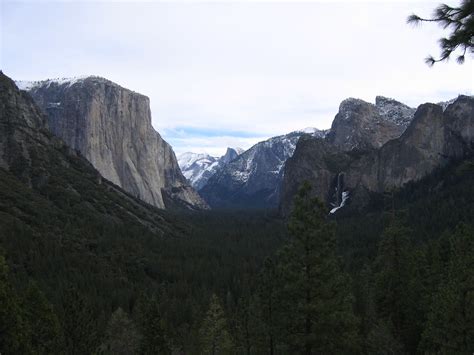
[258, 68]
[214, 146]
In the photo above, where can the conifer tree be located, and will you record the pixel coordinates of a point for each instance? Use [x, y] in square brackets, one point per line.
[13, 330]
[397, 299]
[214, 334]
[316, 293]
[122, 336]
[268, 294]
[44, 327]
[155, 339]
[78, 323]
[250, 327]
[460, 20]
[450, 324]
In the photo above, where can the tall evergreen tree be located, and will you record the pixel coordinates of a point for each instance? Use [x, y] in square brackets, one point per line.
[44, 327]
[121, 335]
[214, 334]
[316, 293]
[396, 286]
[155, 339]
[13, 330]
[250, 326]
[78, 323]
[269, 282]
[450, 324]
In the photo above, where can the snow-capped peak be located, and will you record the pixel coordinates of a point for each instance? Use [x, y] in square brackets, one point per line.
[199, 167]
[186, 160]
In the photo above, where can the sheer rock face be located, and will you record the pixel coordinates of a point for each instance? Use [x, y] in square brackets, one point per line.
[432, 139]
[39, 159]
[360, 125]
[111, 127]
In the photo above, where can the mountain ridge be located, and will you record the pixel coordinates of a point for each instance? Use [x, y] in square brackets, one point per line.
[433, 138]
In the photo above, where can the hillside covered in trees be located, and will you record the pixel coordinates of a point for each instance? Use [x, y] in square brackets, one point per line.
[397, 278]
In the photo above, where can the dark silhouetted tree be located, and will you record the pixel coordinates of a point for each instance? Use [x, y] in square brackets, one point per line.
[269, 282]
[44, 326]
[450, 325]
[460, 21]
[13, 330]
[79, 323]
[316, 293]
[155, 339]
[214, 334]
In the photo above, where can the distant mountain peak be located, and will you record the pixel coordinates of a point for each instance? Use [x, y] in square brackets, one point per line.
[199, 167]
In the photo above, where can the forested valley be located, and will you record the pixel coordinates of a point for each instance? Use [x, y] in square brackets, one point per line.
[395, 278]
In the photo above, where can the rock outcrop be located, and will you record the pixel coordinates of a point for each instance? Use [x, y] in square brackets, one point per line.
[111, 127]
[433, 138]
[360, 125]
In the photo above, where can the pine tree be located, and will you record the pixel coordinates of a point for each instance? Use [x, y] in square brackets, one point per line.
[214, 334]
[78, 323]
[13, 330]
[450, 324]
[250, 326]
[269, 282]
[398, 290]
[460, 20]
[316, 293]
[155, 339]
[45, 330]
[121, 336]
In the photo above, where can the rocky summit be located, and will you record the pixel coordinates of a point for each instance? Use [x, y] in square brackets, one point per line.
[360, 125]
[111, 127]
[342, 176]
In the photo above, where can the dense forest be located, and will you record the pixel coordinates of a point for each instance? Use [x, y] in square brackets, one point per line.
[396, 278]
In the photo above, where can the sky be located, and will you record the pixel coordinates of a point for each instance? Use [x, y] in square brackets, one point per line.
[226, 73]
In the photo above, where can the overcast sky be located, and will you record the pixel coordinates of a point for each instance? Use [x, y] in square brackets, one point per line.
[231, 74]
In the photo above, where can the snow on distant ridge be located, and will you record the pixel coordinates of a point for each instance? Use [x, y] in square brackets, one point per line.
[197, 168]
[445, 104]
[30, 85]
[315, 132]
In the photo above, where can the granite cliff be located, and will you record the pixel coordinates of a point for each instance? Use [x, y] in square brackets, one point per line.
[111, 127]
[360, 125]
[433, 138]
[48, 178]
